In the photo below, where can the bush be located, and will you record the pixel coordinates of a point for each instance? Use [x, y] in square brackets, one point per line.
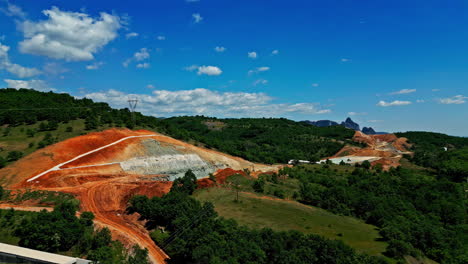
[259, 186]
[279, 193]
[14, 155]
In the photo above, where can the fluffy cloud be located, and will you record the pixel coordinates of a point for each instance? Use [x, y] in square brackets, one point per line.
[94, 66]
[13, 11]
[394, 103]
[197, 18]
[345, 60]
[39, 85]
[205, 70]
[252, 55]
[150, 86]
[220, 49]
[202, 101]
[131, 35]
[209, 70]
[404, 91]
[161, 37]
[71, 36]
[16, 69]
[315, 85]
[275, 52]
[259, 69]
[457, 99]
[140, 55]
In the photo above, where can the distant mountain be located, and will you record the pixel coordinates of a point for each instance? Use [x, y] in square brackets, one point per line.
[368, 131]
[348, 123]
[322, 123]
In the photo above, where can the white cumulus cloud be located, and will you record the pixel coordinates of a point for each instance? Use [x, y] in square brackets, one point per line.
[275, 52]
[209, 70]
[457, 99]
[206, 102]
[252, 55]
[394, 103]
[71, 36]
[161, 37]
[16, 69]
[39, 85]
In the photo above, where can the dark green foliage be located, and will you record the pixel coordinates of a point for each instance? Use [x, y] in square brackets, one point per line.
[415, 211]
[199, 236]
[14, 155]
[279, 193]
[259, 185]
[430, 151]
[53, 108]
[52, 232]
[69, 129]
[61, 230]
[2, 162]
[30, 132]
[2, 192]
[366, 164]
[266, 140]
[46, 141]
[186, 184]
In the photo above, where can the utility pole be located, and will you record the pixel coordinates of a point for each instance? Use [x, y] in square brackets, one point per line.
[133, 103]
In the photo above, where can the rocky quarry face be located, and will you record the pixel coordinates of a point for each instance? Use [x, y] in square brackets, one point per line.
[171, 161]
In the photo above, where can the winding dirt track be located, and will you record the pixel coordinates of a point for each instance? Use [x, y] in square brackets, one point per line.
[90, 202]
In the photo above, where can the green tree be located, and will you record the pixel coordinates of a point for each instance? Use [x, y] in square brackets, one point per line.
[14, 155]
[259, 185]
[187, 184]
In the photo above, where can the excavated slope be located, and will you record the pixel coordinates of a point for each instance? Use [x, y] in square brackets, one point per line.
[386, 150]
[104, 169]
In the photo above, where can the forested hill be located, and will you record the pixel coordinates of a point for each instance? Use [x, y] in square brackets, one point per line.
[446, 154]
[267, 140]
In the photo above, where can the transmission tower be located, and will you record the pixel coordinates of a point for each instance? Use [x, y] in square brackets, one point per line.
[133, 103]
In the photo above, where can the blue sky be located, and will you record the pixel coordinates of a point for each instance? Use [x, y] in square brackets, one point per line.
[393, 65]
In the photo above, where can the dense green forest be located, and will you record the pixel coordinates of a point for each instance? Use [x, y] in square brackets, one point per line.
[193, 233]
[418, 213]
[61, 231]
[265, 140]
[446, 154]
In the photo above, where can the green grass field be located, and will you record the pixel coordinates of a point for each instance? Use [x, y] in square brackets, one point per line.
[257, 212]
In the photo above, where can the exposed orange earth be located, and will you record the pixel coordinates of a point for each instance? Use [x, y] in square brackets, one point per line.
[104, 180]
[386, 149]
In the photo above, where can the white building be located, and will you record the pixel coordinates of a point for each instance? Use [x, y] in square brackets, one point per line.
[14, 254]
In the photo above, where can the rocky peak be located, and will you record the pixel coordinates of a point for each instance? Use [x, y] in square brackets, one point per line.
[349, 123]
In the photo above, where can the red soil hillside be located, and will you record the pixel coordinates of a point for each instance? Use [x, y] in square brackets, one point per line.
[104, 169]
[386, 150]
